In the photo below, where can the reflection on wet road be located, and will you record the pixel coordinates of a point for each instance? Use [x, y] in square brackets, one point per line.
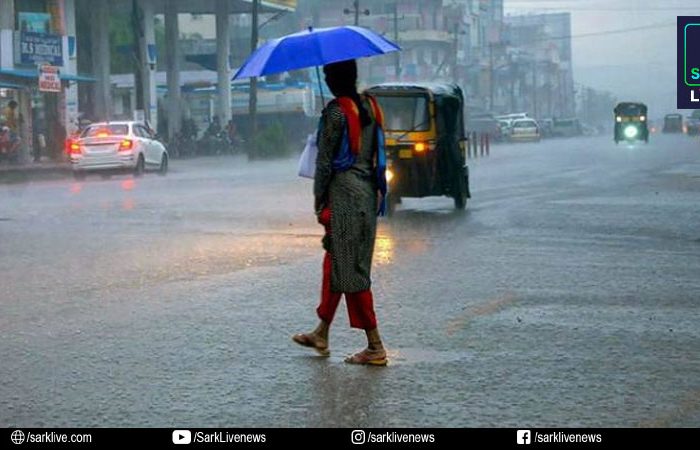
[565, 295]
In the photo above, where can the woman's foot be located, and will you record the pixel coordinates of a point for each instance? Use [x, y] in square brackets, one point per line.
[314, 341]
[368, 357]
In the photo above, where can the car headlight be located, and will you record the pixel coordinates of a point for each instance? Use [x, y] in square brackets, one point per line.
[631, 132]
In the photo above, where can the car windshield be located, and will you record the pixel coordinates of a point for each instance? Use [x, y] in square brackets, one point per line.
[405, 113]
[525, 124]
[106, 130]
[630, 109]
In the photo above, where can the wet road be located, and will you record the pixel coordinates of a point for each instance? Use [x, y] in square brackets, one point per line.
[568, 294]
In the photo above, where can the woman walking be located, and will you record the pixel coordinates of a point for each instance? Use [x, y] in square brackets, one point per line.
[349, 191]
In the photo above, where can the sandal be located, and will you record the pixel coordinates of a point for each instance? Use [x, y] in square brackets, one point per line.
[368, 357]
[312, 341]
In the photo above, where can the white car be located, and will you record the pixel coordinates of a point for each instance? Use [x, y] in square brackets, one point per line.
[524, 130]
[111, 146]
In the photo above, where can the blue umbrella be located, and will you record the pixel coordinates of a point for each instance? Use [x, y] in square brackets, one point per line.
[314, 47]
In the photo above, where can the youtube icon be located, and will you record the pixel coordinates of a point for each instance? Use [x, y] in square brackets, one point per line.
[182, 437]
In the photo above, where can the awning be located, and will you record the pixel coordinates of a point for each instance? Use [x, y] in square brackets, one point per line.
[6, 85]
[34, 73]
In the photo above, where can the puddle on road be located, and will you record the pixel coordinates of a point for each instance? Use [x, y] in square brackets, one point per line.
[404, 356]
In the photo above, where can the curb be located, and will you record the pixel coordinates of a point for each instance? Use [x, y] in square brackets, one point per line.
[21, 174]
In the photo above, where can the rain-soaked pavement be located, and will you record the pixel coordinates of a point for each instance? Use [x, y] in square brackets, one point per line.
[568, 294]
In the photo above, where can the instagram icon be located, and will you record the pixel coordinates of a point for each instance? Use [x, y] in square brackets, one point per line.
[357, 437]
[524, 436]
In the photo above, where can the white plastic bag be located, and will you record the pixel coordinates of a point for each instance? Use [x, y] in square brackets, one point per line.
[307, 161]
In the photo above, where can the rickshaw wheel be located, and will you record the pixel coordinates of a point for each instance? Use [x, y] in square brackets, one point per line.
[461, 197]
[391, 203]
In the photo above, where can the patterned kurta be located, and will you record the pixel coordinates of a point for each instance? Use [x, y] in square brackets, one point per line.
[352, 196]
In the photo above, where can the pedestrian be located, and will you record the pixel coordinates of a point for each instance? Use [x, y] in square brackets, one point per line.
[349, 190]
[12, 118]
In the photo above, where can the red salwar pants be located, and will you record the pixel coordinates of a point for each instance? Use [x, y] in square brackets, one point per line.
[360, 304]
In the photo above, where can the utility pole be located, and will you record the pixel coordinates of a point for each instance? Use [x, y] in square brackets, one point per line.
[356, 11]
[253, 96]
[454, 48]
[397, 58]
[534, 89]
[491, 75]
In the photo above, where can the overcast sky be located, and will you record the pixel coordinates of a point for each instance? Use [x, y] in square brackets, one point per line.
[637, 64]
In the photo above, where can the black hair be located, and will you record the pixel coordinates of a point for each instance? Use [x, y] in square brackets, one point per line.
[341, 78]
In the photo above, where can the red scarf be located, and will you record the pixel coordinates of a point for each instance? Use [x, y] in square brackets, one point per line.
[352, 117]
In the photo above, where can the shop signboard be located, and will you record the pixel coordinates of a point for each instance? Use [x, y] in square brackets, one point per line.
[49, 78]
[34, 22]
[41, 48]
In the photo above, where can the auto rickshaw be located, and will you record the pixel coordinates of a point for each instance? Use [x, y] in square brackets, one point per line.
[631, 122]
[425, 141]
[673, 123]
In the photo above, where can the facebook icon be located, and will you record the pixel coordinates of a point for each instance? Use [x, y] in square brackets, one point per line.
[524, 436]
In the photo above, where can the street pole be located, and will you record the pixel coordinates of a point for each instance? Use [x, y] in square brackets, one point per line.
[491, 71]
[397, 58]
[253, 97]
[534, 89]
[455, 43]
[356, 4]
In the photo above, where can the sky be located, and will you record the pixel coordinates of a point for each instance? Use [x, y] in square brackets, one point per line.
[639, 64]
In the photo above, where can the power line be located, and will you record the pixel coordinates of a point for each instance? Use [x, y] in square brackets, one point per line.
[605, 33]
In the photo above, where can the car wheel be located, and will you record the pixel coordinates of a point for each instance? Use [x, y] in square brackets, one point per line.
[140, 166]
[78, 175]
[163, 165]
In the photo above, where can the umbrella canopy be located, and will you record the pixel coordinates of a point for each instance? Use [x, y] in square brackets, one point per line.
[314, 47]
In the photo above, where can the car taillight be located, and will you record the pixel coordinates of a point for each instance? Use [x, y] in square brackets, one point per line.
[126, 144]
[73, 148]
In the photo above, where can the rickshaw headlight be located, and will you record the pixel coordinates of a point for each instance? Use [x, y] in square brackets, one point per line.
[619, 119]
[420, 147]
[389, 175]
[642, 118]
[631, 132]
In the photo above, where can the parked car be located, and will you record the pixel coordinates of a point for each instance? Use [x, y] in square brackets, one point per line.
[525, 130]
[504, 127]
[117, 146]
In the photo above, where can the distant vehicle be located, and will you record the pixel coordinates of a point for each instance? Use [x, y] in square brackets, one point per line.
[692, 123]
[673, 123]
[513, 116]
[483, 123]
[504, 128]
[631, 122]
[525, 130]
[566, 127]
[546, 127]
[111, 146]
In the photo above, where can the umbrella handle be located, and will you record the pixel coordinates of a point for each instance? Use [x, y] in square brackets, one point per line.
[320, 87]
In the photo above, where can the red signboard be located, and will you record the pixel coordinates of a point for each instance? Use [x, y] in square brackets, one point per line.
[49, 79]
